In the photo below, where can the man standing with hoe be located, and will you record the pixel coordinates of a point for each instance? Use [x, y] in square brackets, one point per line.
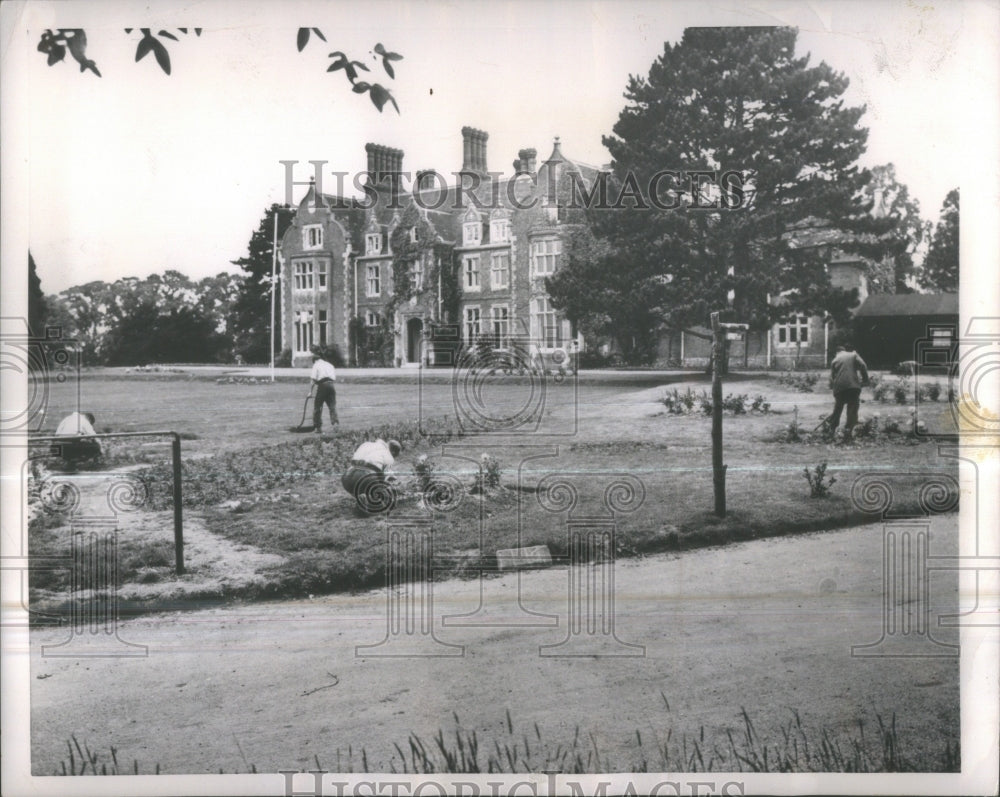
[323, 376]
[848, 374]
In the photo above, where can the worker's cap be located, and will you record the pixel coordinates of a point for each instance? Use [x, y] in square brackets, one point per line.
[395, 447]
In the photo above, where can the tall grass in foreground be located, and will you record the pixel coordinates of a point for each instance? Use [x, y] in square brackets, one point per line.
[791, 748]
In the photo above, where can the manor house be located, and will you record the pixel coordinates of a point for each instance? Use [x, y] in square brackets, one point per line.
[415, 270]
[390, 278]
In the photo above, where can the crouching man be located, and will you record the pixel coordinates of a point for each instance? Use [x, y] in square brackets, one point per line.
[80, 442]
[369, 478]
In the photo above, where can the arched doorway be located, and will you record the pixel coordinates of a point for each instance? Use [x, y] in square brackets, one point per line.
[414, 339]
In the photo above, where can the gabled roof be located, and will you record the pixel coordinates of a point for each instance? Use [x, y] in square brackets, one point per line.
[910, 304]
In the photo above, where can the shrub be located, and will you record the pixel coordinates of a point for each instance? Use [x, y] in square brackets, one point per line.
[891, 426]
[489, 474]
[879, 391]
[760, 404]
[929, 392]
[819, 482]
[736, 404]
[678, 403]
[284, 360]
[804, 382]
[793, 432]
[867, 429]
[901, 390]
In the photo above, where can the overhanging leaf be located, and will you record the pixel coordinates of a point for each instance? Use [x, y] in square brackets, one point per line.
[167, 35]
[303, 38]
[380, 95]
[56, 54]
[361, 87]
[319, 33]
[162, 57]
[145, 45]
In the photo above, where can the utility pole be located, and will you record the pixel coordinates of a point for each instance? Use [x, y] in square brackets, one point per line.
[720, 333]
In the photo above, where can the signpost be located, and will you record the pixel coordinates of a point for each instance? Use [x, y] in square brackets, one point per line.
[720, 334]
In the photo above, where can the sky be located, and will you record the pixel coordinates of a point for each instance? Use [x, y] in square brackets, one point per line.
[137, 172]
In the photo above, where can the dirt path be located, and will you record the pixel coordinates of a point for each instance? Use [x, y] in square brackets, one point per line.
[215, 565]
[767, 625]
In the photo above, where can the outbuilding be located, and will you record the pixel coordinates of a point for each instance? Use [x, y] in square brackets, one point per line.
[890, 328]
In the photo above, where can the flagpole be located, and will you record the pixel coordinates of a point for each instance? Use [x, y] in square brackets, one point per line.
[274, 269]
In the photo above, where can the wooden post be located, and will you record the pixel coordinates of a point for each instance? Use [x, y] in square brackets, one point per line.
[718, 469]
[721, 334]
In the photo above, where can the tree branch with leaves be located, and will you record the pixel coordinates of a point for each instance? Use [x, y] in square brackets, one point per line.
[55, 44]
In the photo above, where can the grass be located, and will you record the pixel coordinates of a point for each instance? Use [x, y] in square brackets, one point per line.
[873, 744]
[286, 497]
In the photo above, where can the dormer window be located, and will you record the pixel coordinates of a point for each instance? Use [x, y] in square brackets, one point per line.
[312, 236]
[472, 233]
[373, 243]
[499, 231]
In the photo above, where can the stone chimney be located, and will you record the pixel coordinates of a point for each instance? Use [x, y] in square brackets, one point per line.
[384, 163]
[526, 160]
[424, 180]
[474, 149]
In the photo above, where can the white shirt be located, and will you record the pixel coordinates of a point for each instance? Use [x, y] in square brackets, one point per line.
[375, 453]
[323, 370]
[74, 425]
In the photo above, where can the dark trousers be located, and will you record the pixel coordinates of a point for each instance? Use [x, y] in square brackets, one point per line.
[325, 394]
[77, 449]
[370, 490]
[851, 398]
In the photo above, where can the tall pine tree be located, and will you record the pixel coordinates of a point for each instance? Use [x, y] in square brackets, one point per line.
[726, 100]
[940, 270]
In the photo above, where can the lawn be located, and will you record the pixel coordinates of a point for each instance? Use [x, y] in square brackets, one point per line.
[256, 485]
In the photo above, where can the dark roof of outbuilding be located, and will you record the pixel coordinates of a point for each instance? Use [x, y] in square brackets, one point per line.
[903, 304]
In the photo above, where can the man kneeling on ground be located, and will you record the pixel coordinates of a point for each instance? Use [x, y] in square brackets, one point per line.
[80, 443]
[368, 478]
